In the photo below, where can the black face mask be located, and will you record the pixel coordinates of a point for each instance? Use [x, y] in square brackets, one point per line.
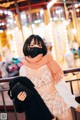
[34, 51]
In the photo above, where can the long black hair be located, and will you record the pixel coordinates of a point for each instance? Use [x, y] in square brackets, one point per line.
[37, 40]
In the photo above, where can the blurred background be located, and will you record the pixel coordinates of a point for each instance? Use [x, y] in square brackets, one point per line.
[57, 22]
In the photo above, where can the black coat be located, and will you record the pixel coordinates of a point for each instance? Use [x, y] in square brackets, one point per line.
[33, 106]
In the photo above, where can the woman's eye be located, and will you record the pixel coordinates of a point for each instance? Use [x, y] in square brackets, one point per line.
[40, 44]
[31, 45]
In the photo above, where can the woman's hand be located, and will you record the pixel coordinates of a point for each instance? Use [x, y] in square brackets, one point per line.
[21, 96]
[78, 108]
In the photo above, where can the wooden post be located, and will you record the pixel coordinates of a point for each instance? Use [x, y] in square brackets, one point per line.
[65, 8]
[30, 16]
[46, 16]
[19, 18]
[74, 19]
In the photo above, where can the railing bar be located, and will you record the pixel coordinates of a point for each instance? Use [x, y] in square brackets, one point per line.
[71, 70]
[4, 90]
[6, 79]
[15, 113]
[4, 103]
[3, 99]
[71, 87]
[78, 86]
[65, 71]
[73, 80]
[10, 78]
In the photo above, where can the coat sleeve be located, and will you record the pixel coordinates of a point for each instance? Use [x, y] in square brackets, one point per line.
[60, 84]
[66, 94]
[19, 105]
[22, 71]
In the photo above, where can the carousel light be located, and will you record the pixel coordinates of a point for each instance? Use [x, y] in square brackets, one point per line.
[24, 27]
[66, 38]
[62, 18]
[58, 11]
[52, 40]
[9, 13]
[61, 10]
[3, 24]
[76, 5]
[5, 12]
[41, 11]
[37, 13]
[42, 24]
[1, 12]
[1, 31]
[10, 21]
[33, 25]
[55, 18]
[51, 19]
[37, 21]
[77, 10]
[51, 3]
[67, 11]
[13, 43]
[74, 31]
[23, 16]
[69, 20]
[8, 25]
[8, 32]
[16, 28]
[70, 11]
[66, 22]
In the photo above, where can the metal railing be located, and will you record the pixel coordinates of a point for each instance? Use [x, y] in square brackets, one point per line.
[73, 71]
[7, 80]
[2, 90]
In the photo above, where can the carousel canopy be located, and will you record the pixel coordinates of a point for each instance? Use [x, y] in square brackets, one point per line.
[11, 5]
[24, 5]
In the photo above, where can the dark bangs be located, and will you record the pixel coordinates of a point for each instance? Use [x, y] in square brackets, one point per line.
[37, 40]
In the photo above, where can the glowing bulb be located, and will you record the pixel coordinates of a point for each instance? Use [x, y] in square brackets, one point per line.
[74, 31]
[76, 5]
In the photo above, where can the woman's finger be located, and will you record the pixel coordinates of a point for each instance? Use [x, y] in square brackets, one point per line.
[21, 94]
[24, 93]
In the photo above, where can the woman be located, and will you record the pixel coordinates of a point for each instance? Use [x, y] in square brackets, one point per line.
[47, 77]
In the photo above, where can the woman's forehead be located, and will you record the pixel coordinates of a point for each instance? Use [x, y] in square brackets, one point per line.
[32, 42]
[35, 41]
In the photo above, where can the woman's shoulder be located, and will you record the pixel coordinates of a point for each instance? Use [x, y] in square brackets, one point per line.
[22, 67]
[49, 56]
[22, 70]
